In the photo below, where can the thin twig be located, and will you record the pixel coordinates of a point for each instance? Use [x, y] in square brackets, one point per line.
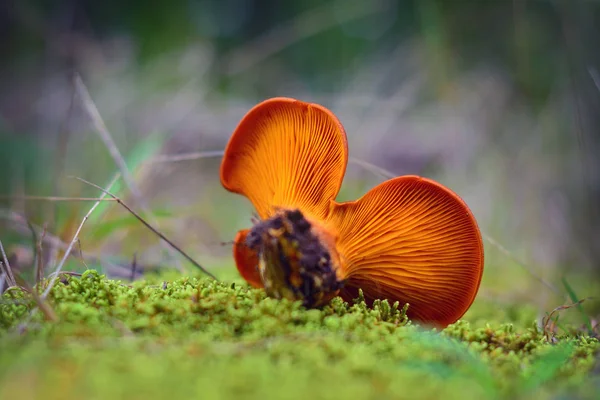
[133, 267]
[64, 133]
[301, 27]
[112, 148]
[147, 225]
[520, 263]
[69, 273]
[571, 46]
[75, 237]
[105, 136]
[40, 256]
[48, 239]
[10, 278]
[488, 238]
[595, 76]
[81, 254]
[2, 280]
[52, 198]
[548, 318]
[372, 168]
[41, 302]
[35, 242]
[52, 240]
[168, 158]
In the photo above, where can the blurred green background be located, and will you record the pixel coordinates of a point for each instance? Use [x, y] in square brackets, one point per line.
[498, 100]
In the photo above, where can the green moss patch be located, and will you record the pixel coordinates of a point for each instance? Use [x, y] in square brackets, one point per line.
[198, 338]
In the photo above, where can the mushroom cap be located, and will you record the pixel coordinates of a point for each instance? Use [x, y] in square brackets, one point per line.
[409, 239]
[289, 154]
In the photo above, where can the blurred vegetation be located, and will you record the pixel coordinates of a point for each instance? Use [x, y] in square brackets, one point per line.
[497, 99]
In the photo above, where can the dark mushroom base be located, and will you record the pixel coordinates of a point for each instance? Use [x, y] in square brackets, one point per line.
[294, 264]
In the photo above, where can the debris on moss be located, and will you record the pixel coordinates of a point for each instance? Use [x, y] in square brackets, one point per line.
[198, 337]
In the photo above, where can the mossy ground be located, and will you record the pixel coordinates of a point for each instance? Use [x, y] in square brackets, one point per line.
[197, 338]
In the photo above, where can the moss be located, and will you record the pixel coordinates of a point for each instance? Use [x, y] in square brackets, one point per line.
[195, 337]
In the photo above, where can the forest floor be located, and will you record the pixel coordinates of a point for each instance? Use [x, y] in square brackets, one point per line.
[176, 337]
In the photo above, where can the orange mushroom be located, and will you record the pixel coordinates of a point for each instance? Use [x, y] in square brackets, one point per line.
[408, 239]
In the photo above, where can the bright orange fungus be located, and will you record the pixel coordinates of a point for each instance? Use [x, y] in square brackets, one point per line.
[409, 239]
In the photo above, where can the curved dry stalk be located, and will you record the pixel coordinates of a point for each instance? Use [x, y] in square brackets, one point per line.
[520, 263]
[2, 280]
[40, 301]
[10, 278]
[389, 175]
[112, 148]
[169, 158]
[39, 252]
[595, 76]
[548, 323]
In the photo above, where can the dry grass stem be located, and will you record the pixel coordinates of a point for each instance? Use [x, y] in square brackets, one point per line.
[520, 263]
[51, 198]
[81, 254]
[10, 278]
[22, 225]
[595, 77]
[40, 256]
[74, 240]
[169, 158]
[549, 322]
[112, 148]
[42, 304]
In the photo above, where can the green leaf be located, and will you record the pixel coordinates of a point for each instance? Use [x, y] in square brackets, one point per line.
[576, 300]
[145, 150]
